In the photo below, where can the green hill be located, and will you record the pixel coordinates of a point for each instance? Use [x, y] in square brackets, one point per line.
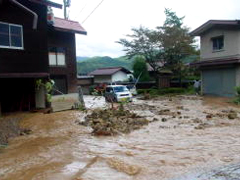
[90, 64]
[82, 58]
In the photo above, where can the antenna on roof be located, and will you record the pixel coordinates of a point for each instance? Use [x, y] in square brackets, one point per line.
[66, 4]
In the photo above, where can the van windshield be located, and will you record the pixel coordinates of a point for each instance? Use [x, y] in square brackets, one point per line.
[120, 89]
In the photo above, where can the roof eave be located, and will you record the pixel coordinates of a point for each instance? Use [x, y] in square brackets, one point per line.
[24, 75]
[198, 31]
[71, 31]
[93, 74]
[214, 62]
[209, 24]
[48, 3]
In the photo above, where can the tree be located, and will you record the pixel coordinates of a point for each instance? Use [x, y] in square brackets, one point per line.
[140, 68]
[167, 44]
[176, 43]
[142, 43]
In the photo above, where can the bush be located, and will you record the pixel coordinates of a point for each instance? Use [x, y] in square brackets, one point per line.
[165, 91]
[97, 90]
[91, 89]
[143, 91]
[237, 99]
[140, 69]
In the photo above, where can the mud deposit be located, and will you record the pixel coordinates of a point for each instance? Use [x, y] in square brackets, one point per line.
[188, 138]
[113, 121]
[9, 128]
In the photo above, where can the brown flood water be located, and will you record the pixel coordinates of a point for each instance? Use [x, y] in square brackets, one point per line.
[59, 149]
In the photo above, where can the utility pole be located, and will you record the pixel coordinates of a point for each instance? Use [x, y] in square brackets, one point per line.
[66, 4]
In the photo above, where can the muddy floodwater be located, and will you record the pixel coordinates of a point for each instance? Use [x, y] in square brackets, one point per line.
[189, 137]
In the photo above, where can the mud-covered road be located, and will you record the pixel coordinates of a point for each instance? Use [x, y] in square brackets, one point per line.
[189, 138]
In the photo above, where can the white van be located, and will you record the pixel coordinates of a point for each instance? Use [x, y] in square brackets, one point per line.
[117, 93]
[132, 89]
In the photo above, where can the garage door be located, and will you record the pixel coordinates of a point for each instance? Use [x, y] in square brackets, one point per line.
[219, 82]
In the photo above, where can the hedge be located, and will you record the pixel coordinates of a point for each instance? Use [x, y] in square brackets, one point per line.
[163, 91]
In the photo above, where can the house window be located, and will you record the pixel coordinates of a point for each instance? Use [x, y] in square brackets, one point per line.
[57, 56]
[11, 36]
[218, 43]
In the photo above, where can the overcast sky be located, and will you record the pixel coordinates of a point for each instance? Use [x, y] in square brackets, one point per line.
[113, 19]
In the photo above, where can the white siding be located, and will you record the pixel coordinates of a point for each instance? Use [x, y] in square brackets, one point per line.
[119, 76]
[231, 44]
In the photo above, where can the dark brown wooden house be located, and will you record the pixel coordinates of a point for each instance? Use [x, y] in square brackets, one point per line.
[26, 42]
[62, 54]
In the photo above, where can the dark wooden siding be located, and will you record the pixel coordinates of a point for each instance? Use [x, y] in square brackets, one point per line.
[67, 41]
[34, 56]
[60, 84]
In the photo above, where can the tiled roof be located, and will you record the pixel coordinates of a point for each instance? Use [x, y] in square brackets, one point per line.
[69, 26]
[109, 71]
[158, 64]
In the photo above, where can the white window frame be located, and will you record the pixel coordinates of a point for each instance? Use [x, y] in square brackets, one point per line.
[13, 47]
[217, 39]
[56, 57]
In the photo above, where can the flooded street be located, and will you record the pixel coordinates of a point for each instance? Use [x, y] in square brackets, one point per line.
[187, 137]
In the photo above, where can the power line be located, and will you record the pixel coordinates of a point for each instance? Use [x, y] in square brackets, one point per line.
[82, 9]
[92, 11]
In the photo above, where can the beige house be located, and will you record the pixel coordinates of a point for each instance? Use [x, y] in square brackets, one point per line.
[220, 56]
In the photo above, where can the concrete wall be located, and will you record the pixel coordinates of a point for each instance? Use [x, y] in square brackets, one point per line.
[231, 44]
[87, 81]
[238, 76]
[40, 98]
[102, 79]
[119, 76]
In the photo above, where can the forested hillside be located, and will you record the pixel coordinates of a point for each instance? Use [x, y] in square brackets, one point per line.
[90, 64]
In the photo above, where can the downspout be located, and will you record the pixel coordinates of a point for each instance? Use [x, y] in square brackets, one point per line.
[35, 20]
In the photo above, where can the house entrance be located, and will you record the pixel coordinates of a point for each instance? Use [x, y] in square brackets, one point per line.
[17, 94]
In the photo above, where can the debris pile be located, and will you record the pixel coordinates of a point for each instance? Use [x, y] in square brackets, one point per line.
[167, 112]
[111, 122]
[122, 166]
[230, 114]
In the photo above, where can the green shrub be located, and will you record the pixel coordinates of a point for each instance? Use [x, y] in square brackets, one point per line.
[190, 90]
[237, 98]
[140, 69]
[91, 89]
[171, 91]
[237, 89]
[165, 91]
[143, 91]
